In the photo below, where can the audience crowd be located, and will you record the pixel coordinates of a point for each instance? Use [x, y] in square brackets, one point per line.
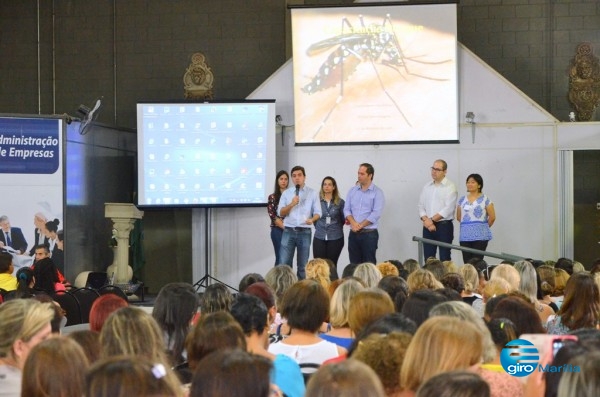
[395, 329]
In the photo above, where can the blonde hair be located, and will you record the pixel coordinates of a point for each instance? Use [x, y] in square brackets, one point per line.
[340, 302]
[55, 367]
[547, 277]
[440, 344]
[367, 306]
[450, 266]
[132, 331]
[22, 319]
[465, 312]
[560, 281]
[578, 267]
[471, 277]
[509, 273]
[387, 269]
[318, 269]
[422, 279]
[496, 286]
[368, 273]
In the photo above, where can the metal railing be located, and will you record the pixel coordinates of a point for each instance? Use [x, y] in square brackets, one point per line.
[421, 241]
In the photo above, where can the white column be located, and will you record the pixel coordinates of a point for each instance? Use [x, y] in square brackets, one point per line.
[123, 216]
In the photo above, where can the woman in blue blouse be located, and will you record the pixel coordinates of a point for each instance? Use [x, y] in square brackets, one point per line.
[476, 214]
[329, 236]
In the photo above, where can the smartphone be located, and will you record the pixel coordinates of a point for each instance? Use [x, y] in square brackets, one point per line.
[546, 342]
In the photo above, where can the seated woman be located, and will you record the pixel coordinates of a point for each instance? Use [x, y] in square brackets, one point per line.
[350, 378]
[25, 323]
[580, 308]
[306, 306]
[340, 332]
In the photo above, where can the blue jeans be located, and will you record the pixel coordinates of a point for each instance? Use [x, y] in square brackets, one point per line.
[295, 238]
[276, 234]
[445, 233]
[362, 247]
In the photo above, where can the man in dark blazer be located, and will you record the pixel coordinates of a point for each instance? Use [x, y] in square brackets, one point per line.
[11, 236]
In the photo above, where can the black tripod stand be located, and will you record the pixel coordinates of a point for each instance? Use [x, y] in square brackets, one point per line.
[207, 279]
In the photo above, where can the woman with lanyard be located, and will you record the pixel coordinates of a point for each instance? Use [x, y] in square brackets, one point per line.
[329, 236]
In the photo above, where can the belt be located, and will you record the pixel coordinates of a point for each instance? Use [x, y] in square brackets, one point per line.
[442, 222]
[365, 231]
[297, 229]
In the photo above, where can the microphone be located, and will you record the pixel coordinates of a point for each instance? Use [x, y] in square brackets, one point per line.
[297, 190]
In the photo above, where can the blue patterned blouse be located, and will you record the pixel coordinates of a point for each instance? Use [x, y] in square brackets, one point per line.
[474, 219]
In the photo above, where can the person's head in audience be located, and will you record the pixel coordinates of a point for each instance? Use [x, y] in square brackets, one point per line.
[387, 269]
[528, 279]
[367, 306]
[422, 279]
[25, 283]
[397, 288]
[450, 294]
[595, 266]
[128, 376]
[216, 297]
[578, 267]
[436, 267]
[495, 287]
[384, 353]
[560, 282]
[174, 308]
[419, 303]
[103, 307]
[396, 263]
[251, 314]
[565, 264]
[263, 292]
[547, 284]
[280, 278]
[318, 270]
[455, 384]
[248, 280]
[348, 270]
[45, 275]
[368, 273]
[333, 273]
[214, 331]
[508, 273]
[23, 324]
[340, 302]
[581, 306]
[55, 367]
[59, 320]
[349, 378]
[411, 265]
[131, 330]
[521, 313]
[471, 279]
[502, 331]
[89, 341]
[440, 344]
[465, 312]
[232, 372]
[450, 266]
[306, 306]
[6, 264]
[583, 383]
[454, 281]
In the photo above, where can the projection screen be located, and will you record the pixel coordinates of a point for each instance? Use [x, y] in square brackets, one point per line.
[375, 74]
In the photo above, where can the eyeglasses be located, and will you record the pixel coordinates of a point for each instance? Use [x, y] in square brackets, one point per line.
[436, 169]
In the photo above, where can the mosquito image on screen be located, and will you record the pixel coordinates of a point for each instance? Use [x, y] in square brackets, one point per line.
[374, 44]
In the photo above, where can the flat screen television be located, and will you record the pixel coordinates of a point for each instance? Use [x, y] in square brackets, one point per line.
[375, 73]
[205, 154]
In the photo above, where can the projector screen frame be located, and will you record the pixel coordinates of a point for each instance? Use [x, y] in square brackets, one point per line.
[270, 160]
[325, 46]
